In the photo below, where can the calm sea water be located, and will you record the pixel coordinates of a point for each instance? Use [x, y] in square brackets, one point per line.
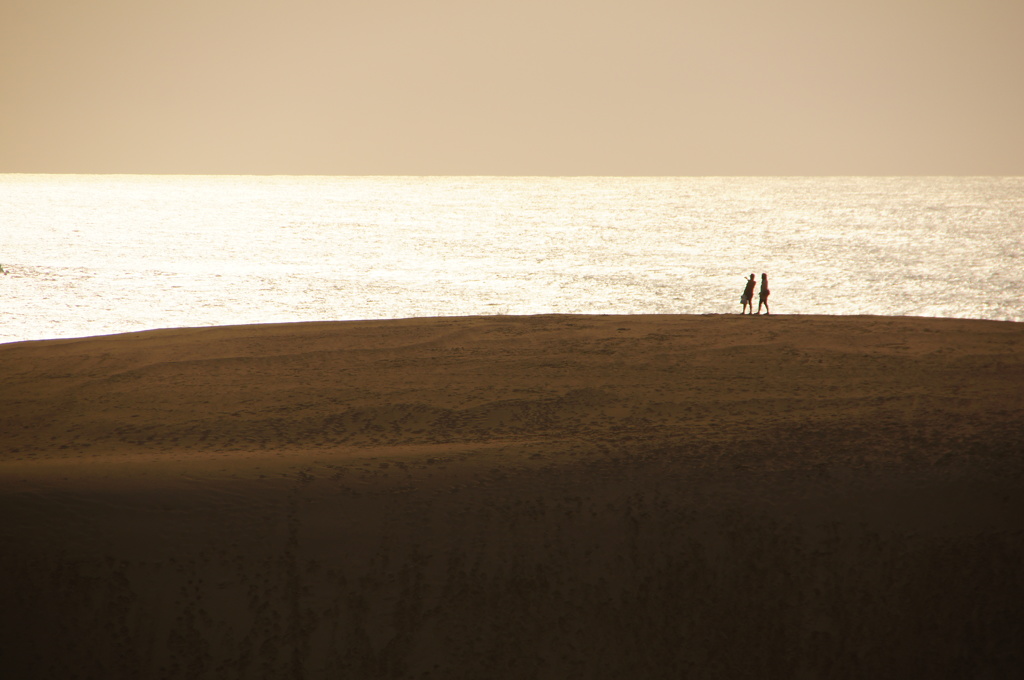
[90, 255]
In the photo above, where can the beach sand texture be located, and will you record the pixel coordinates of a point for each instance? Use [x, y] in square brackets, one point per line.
[516, 497]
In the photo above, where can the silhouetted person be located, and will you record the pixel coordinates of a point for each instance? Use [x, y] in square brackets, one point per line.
[748, 296]
[762, 295]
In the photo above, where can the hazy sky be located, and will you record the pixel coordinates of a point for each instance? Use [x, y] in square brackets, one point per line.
[520, 87]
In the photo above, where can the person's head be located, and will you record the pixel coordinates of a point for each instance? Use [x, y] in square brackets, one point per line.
[751, 274]
[764, 277]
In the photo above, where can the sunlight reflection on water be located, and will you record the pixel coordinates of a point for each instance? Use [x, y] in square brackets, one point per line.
[103, 254]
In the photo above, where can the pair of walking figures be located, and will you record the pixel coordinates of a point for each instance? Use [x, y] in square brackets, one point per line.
[747, 299]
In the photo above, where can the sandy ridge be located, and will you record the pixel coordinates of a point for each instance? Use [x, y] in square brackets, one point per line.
[549, 496]
[357, 384]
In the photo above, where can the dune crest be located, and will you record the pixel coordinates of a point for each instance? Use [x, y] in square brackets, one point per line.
[547, 496]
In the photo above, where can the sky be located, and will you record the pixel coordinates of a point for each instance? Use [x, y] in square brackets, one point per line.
[512, 87]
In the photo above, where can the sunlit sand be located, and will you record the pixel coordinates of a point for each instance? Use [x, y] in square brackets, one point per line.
[520, 497]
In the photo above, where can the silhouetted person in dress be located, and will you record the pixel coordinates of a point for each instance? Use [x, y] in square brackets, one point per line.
[762, 295]
[747, 299]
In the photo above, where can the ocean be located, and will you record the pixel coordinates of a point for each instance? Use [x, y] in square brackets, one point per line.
[99, 254]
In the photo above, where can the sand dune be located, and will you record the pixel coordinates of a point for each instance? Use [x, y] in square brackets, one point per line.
[522, 497]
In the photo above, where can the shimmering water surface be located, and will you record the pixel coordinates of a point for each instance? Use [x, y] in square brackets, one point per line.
[90, 255]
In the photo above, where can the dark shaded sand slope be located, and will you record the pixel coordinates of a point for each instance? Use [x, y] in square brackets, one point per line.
[517, 497]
